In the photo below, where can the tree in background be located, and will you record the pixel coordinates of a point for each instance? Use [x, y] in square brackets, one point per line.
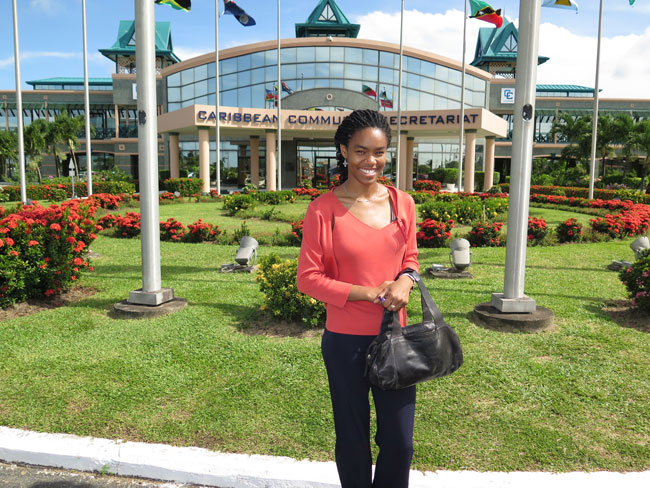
[576, 132]
[640, 141]
[35, 145]
[8, 145]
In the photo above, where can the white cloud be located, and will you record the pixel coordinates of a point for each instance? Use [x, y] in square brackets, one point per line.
[191, 52]
[24, 56]
[44, 5]
[624, 70]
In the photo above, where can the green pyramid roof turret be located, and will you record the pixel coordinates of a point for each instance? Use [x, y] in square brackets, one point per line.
[327, 19]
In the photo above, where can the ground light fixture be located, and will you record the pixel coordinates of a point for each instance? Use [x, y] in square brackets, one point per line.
[460, 256]
[640, 245]
[247, 252]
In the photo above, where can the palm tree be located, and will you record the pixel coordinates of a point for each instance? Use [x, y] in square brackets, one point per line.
[35, 145]
[641, 142]
[70, 128]
[8, 149]
[576, 131]
[622, 131]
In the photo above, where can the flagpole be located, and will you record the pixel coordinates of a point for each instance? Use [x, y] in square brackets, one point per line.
[279, 143]
[399, 97]
[594, 129]
[89, 157]
[19, 110]
[216, 92]
[462, 106]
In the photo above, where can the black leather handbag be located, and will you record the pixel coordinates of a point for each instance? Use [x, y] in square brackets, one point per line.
[400, 357]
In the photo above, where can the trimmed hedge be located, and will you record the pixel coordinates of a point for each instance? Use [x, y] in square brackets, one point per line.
[62, 191]
[600, 193]
[187, 187]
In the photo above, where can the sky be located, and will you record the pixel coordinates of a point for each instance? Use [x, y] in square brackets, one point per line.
[50, 35]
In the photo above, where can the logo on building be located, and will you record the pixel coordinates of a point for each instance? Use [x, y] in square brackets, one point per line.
[508, 95]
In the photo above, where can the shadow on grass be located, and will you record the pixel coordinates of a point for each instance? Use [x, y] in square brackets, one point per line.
[554, 268]
[622, 313]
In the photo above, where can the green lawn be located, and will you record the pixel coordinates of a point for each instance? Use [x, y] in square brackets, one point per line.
[575, 398]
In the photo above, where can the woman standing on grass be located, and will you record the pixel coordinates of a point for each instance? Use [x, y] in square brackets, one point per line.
[357, 240]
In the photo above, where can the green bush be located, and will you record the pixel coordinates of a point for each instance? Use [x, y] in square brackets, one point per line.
[485, 234]
[463, 210]
[445, 175]
[632, 182]
[275, 197]
[612, 177]
[636, 279]
[277, 280]
[569, 231]
[187, 187]
[237, 202]
[165, 174]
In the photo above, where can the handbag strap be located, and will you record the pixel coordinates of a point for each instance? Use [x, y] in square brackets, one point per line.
[430, 311]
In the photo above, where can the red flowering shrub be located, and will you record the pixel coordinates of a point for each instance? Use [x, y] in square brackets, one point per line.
[296, 231]
[201, 231]
[314, 193]
[108, 201]
[167, 196]
[214, 194]
[42, 250]
[172, 230]
[427, 185]
[434, 233]
[537, 230]
[335, 181]
[569, 231]
[485, 234]
[385, 180]
[628, 223]
[129, 225]
[636, 279]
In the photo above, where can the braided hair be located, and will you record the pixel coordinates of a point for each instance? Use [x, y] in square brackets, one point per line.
[356, 121]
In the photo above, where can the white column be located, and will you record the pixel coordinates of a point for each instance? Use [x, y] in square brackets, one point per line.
[488, 178]
[401, 177]
[270, 160]
[204, 159]
[174, 165]
[255, 160]
[470, 152]
[409, 162]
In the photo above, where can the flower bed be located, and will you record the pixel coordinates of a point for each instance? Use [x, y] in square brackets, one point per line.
[172, 230]
[42, 250]
[485, 234]
[537, 230]
[434, 233]
[201, 231]
[579, 192]
[427, 185]
[569, 231]
[59, 191]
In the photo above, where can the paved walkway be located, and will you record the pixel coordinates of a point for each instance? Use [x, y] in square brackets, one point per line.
[191, 465]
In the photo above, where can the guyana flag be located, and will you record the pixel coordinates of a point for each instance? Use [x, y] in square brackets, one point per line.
[482, 11]
[177, 4]
[368, 91]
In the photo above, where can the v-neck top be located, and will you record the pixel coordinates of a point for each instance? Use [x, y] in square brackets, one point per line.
[356, 254]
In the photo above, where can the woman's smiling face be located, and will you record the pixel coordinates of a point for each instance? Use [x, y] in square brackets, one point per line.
[366, 155]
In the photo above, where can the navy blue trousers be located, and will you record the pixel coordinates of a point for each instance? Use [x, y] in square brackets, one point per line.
[344, 357]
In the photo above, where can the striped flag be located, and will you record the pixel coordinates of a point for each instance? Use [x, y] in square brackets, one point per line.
[368, 91]
[566, 4]
[483, 11]
[177, 4]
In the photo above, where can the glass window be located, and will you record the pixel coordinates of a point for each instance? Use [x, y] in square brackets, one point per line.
[370, 56]
[171, 107]
[412, 64]
[173, 94]
[387, 75]
[288, 71]
[271, 57]
[244, 78]
[370, 72]
[201, 88]
[322, 70]
[412, 81]
[352, 85]
[257, 75]
[454, 92]
[227, 66]
[211, 85]
[271, 73]
[442, 73]
[201, 100]
[427, 69]
[211, 70]
[426, 101]
[288, 55]
[386, 59]
[244, 97]
[412, 99]
[455, 76]
[187, 92]
[212, 99]
[307, 84]
[243, 62]
[187, 76]
[453, 104]
[353, 55]
[257, 96]
[174, 80]
[479, 84]
[229, 98]
[257, 59]
[427, 84]
[228, 82]
[353, 71]
[441, 88]
[322, 53]
[338, 83]
[201, 72]
[337, 54]
[308, 70]
[478, 99]
[322, 83]
[337, 70]
[306, 54]
[187, 103]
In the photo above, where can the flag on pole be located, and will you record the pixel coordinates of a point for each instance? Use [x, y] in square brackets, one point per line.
[177, 4]
[232, 8]
[385, 101]
[631, 2]
[285, 88]
[483, 11]
[368, 91]
[567, 4]
[270, 95]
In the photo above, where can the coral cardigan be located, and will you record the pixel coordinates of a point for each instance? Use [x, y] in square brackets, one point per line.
[328, 267]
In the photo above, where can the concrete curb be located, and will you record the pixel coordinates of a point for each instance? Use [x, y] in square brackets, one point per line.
[204, 467]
